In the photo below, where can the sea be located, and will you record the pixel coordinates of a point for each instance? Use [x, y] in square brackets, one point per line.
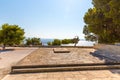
[82, 42]
[45, 41]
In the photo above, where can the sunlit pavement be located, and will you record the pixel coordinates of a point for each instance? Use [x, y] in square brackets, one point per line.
[11, 57]
[77, 75]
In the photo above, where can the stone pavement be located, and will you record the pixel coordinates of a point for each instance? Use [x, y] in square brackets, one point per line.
[110, 51]
[74, 75]
[76, 55]
[44, 56]
[11, 57]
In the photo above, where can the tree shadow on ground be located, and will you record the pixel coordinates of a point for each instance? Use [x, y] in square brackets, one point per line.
[6, 50]
[107, 57]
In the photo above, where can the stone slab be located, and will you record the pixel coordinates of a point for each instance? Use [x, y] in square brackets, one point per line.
[61, 50]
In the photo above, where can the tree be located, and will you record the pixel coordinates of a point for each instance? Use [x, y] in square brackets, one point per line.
[28, 41]
[110, 8]
[56, 42]
[11, 35]
[101, 21]
[89, 36]
[66, 41]
[49, 43]
[75, 40]
[33, 41]
[36, 41]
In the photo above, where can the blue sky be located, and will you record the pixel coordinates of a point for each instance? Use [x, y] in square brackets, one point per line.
[46, 18]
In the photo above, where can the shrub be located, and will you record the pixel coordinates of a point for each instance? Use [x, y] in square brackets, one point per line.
[56, 42]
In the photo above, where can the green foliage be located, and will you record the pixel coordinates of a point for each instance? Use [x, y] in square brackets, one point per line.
[114, 11]
[59, 42]
[11, 34]
[91, 37]
[110, 8]
[88, 35]
[56, 42]
[66, 41]
[49, 43]
[103, 21]
[33, 41]
[28, 41]
[75, 40]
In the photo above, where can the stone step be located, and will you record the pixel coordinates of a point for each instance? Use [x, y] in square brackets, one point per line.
[62, 68]
[63, 65]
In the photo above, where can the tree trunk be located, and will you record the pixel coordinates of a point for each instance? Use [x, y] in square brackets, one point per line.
[75, 45]
[3, 47]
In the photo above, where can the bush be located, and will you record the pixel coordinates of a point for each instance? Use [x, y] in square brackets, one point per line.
[66, 41]
[56, 42]
[49, 43]
[33, 41]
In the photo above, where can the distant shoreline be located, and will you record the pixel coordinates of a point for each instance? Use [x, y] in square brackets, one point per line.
[82, 42]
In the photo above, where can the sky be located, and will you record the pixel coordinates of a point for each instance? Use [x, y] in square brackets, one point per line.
[46, 18]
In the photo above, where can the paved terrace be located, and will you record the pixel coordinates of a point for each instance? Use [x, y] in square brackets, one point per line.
[76, 55]
[10, 57]
[44, 56]
[77, 75]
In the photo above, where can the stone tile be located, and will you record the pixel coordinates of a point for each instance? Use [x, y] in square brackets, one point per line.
[115, 78]
[72, 79]
[42, 75]
[52, 79]
[79, 76]
[68, 75]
